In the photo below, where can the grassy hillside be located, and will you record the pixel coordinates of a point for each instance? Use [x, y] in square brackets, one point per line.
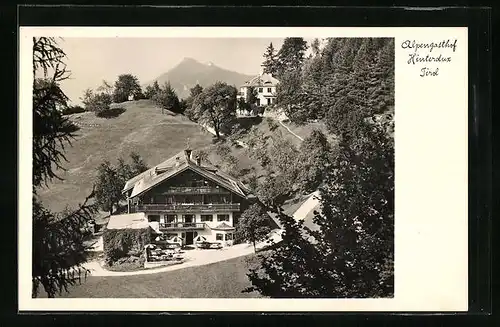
[141, 128]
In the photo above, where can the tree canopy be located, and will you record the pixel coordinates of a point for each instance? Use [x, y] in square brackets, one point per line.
[126, 85]
[291, 55]
[253, 225]
[98, 103]
[110, 181]
[167, 99]
[216, 107]
[346, 80]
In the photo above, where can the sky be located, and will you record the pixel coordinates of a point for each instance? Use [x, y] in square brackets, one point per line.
[92, 60]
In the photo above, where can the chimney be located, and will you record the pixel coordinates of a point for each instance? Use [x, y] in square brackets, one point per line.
[261, 70]
[198, 160]
[177, 161]
[187, 152]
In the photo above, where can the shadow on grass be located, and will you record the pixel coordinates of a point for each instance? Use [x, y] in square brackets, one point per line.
[246, 123]
[111, 113]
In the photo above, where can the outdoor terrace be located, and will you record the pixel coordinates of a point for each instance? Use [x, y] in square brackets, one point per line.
[186, 208]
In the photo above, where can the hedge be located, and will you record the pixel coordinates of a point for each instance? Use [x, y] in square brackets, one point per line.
[120, 243]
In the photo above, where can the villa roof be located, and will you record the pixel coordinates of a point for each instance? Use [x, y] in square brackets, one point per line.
[177, 164]
[262, 80]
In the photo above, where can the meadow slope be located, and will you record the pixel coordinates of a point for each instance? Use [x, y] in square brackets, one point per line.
[141, 128]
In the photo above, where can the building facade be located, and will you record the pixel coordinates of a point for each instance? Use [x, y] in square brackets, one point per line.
[264, 85]
[187, 198]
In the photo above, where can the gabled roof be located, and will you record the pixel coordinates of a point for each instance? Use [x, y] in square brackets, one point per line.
[223, 226]
[167, 164]
[176, 165]
[128, 221]
[262, 80]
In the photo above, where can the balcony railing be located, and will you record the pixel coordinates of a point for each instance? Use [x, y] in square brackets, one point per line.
[182, 225]
[196, 190]
[187, 208]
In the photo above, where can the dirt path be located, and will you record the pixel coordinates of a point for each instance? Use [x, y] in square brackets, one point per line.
[290, 131]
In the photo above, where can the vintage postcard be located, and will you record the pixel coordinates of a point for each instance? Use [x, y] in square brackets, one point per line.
[243, 169]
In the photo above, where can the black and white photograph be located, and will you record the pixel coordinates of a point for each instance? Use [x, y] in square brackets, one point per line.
[211, 167]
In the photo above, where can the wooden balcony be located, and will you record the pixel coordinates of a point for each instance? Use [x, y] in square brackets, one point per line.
[196, 190]
[186, 208]
[182, 226]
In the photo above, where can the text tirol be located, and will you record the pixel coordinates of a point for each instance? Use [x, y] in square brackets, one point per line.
[424, 72]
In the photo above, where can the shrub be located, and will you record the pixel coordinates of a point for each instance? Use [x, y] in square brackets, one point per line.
[97, 103]
[120, 243]
[73, 110]
[110, 112]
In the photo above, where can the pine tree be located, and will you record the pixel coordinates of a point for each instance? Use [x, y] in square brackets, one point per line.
[291, 55]
[291, 96]
[109, 185]
[58, 238]
[381, 91]
[314, 160]
[270, 60]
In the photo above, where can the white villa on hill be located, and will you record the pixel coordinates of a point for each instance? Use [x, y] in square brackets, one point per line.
[265, 85]
[184, 197]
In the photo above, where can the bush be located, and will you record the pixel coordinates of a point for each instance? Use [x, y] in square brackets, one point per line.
[73, 110]
[97, 103]
[110, 112]
[131, 263]
[120, 243]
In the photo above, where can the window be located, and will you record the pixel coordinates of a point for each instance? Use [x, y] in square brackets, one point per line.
[207, 217]
[171, 218]
[258, 102]
[260, 90]
[188, 218]
[219, 237]
[222, 217]
[268, 101]
[154, 218]
[229, 237]
[269, 90]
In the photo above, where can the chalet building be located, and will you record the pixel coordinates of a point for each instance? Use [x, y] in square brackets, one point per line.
[187, 198]
[265, 85]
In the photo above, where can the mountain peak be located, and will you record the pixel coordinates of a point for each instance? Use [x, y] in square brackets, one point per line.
[190, 72]
[189, 59]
